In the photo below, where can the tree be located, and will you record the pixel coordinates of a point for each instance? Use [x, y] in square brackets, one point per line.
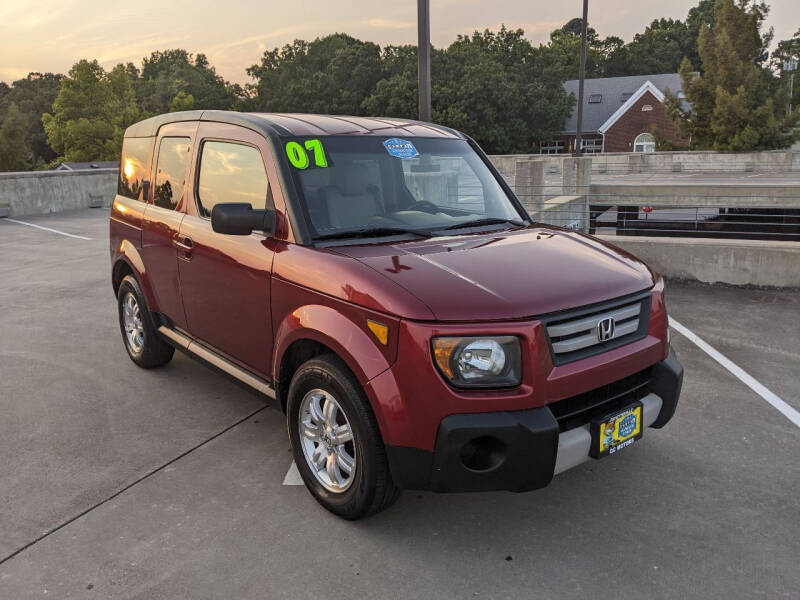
[494, 87]
[14, 154]
[5, 90]
[563, 53]
[33, 95]
[699, 17]
[397, 92]
[91, 112]
[732, 100]
[660, 48]
[784, 51]
[168, 73]
[181, 101]
[332, 74]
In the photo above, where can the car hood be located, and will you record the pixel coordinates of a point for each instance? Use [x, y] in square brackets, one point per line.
[507, 274]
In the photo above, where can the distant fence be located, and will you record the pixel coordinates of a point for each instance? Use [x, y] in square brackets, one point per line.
[714, 211]
[42, 192]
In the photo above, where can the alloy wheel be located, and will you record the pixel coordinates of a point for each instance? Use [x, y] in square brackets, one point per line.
[327, 440]
[132, 322]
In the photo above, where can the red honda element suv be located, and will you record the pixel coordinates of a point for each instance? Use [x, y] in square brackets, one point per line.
[379, 280]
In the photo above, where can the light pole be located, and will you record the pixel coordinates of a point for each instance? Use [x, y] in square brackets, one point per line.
[424, 58]
[581, 73]
[790, 66]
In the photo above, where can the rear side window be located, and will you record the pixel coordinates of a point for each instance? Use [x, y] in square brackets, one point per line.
[135, 152]
[231, 172]
[173, 156]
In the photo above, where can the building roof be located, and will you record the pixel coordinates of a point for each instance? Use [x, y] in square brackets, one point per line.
[614, 92]
[280, 124]
[78, 166]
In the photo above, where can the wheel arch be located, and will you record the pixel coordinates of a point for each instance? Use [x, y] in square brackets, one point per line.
[129, 262]
[313, 330]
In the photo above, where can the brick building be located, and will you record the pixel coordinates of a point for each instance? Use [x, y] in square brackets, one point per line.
[620, 114]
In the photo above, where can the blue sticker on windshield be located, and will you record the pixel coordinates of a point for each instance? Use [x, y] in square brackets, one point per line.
[400, 148]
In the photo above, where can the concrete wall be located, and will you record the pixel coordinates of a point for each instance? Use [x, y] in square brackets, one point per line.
[564, 211]
[697, 194]
[41, 192]
[778, 161]
[735, 262]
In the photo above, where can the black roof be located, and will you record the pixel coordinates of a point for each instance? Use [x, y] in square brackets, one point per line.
[289, 124]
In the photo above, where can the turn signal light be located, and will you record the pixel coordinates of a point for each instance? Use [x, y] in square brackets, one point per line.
[379, 330]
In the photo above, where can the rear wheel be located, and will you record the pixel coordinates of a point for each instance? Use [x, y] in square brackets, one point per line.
[144, 346]
[336, 442]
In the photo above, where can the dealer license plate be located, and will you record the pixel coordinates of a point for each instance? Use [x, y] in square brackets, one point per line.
[616, 431]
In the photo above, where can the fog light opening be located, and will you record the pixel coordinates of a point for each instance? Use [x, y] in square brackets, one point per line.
[483, 453]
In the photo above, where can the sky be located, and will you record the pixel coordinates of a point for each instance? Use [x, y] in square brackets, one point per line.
[51, 35]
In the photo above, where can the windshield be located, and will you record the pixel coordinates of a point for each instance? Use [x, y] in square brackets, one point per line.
[390, 185]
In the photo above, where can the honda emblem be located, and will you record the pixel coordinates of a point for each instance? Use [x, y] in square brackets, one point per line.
[605, 329]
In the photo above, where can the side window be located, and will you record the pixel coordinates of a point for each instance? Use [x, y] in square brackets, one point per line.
[135, 152]
[173, 156]
[231, 172]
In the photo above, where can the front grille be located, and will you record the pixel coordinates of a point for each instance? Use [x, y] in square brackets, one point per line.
[578, 410]
[574, 335]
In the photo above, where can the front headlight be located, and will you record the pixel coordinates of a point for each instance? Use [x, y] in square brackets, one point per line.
[479, 361]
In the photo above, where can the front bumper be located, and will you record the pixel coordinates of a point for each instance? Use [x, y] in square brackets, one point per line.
[517, 450]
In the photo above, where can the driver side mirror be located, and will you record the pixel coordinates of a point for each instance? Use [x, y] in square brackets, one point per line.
[238, 218]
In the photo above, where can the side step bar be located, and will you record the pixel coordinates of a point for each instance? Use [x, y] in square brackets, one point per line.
[191, 347]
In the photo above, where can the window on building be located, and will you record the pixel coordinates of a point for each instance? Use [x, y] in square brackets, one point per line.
[592, 145]
[556, 147]
[625, 96]
[173, 157]
[644, 142]
[231, 172]
[595, 98]
[135, 152]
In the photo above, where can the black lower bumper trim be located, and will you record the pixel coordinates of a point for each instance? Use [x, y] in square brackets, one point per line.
[514, 451]
[667, 382]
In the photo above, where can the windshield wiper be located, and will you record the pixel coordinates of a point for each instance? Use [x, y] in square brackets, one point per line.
[484, 221]
[366, 232]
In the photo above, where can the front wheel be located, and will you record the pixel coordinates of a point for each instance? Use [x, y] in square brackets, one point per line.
[144, 346]
[336, 442]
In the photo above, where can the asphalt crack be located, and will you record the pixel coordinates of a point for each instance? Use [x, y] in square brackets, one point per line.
[147, 475]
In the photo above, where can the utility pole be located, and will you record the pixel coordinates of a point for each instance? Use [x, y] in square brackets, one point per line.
[424, 58]
[581, 72]
[790, 66]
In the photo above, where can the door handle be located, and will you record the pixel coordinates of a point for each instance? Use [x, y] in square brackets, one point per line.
[184, 245]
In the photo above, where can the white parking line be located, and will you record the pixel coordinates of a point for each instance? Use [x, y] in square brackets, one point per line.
[786, 410]
[80, 237]
[293, 476]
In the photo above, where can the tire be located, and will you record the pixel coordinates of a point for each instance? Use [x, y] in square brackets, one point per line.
[142, 343]
[368, 488]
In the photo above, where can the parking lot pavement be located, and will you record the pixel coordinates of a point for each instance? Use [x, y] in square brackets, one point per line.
[757, 329]
[706, 507]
